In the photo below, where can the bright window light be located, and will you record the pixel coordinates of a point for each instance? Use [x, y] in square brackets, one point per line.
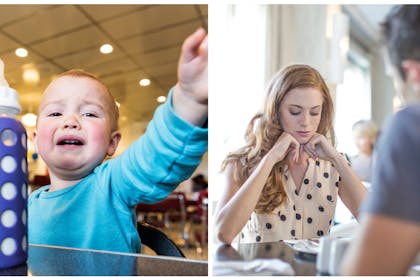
[144, 82]
[106, 48]
[21, 52]
[242, 37]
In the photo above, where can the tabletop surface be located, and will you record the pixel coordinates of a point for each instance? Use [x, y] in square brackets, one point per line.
[302, 264]
[50, 260]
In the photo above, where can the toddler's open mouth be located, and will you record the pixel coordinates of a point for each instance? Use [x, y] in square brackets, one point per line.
[70, 140]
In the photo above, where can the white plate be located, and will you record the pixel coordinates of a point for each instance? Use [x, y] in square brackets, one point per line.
[306, 246]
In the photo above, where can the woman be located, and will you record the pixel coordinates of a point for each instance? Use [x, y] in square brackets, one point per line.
[283, 183]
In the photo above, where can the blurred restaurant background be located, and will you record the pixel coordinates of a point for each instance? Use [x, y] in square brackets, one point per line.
[134, 50]
[341, 41]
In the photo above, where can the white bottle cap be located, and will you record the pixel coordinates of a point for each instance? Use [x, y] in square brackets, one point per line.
[8, 96]
[3, 81]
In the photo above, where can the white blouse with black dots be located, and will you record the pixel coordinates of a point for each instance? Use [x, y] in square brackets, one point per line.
[304, 214]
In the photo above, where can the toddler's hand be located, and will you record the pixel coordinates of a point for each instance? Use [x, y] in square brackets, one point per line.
[190, 97]
[192, 67]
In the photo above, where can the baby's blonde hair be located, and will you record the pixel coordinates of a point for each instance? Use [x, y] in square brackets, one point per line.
[366, 128]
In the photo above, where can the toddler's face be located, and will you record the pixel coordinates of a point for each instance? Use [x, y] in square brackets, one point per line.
[74, 127]
[363, 143]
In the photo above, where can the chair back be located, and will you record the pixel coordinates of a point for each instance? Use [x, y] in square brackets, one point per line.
[158, 241]
[174, 202]
[172, 207]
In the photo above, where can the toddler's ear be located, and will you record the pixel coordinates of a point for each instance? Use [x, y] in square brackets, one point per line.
[113, 142]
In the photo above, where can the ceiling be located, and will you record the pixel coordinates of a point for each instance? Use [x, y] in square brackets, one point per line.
[146, 38]
[365, 22]
[375, 14]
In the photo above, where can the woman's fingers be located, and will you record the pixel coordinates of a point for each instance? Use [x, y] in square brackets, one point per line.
[296, 148]
[287, 144]
[300, 152]
[310, 152]
[319, 147]
[311, 146]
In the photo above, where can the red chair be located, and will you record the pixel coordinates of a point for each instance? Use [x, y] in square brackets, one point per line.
[39, 181]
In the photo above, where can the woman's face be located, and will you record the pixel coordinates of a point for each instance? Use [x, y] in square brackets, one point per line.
[300, 113]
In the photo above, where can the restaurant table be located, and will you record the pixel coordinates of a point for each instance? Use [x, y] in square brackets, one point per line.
[53, 261]
[302, 264]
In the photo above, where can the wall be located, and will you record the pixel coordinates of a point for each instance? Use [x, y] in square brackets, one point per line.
[367, 36]
[297, 34]
[383, 90]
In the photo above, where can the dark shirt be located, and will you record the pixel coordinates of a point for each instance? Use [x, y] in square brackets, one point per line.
[396, 171]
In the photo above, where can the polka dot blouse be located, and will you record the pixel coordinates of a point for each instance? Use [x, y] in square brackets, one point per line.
[307, 213]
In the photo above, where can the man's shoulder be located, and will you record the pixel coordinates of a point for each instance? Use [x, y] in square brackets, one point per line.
[402, 127]
[408, 115]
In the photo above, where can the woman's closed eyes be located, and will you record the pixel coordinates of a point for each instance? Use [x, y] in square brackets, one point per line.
[296, 113]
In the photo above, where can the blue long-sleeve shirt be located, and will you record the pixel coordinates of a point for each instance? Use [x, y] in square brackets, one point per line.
[98, 212]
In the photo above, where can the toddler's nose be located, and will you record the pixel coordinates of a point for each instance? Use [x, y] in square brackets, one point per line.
[71, 122]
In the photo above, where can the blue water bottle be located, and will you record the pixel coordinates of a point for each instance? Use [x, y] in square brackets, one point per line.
[13, 179]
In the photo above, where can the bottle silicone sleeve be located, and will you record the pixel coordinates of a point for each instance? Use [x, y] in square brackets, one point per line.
[13, 193]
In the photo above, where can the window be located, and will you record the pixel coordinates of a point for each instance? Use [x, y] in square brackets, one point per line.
[238, 64]
[353, 103]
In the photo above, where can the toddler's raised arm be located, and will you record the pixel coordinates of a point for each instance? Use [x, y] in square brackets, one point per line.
[191, 92]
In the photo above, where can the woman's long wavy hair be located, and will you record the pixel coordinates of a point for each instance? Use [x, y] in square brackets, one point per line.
[264, 129]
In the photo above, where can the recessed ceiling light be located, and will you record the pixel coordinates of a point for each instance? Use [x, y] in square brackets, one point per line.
[21, 52]
[161, 99]
[106, 48]
[144, 82]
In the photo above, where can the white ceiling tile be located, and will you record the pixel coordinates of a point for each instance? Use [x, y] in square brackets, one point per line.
[161, 70]
[158, 57]
[103, 12]
[118, 65]
[7, 44]
[167, 80]
[161, 39]
[87, 57]
[72, 42]
[11, 13]
[149, 19]
[47, 23]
